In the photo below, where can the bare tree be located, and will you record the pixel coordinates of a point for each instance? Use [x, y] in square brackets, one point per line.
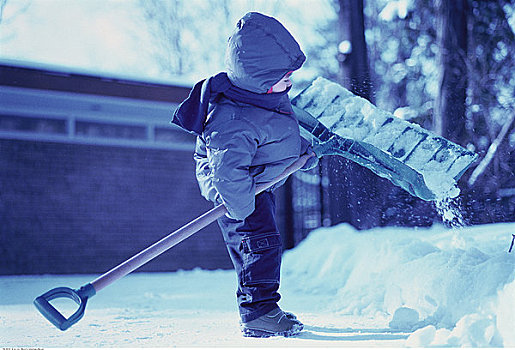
[2, 6]
[18, 8]
[167, 23]
[191, 36]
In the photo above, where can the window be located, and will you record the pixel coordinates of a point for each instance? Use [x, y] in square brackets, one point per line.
[32, 124]
[95, 129]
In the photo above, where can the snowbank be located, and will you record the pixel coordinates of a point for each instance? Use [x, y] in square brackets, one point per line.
[454, 287]
[385, 287]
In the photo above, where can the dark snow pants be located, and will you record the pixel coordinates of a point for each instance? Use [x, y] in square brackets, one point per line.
[255, 247]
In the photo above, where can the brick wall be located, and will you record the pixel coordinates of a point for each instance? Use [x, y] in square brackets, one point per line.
[71, 208]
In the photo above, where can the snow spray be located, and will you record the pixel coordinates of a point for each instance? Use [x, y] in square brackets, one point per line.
[450, 211]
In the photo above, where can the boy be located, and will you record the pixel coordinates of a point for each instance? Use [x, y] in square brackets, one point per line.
[247, 135]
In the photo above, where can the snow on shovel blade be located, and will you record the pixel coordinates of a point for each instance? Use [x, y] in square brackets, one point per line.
[419, 161]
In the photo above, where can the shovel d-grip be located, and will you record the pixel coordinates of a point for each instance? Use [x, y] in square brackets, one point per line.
[79, 296]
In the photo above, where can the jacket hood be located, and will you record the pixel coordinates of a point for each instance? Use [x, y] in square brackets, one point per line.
[260, 52]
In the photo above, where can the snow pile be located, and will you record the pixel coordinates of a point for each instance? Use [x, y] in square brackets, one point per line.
[454, 287]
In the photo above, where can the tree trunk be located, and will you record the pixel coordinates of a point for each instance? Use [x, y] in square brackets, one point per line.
[353, 57]
[350, 184]
[449, 112]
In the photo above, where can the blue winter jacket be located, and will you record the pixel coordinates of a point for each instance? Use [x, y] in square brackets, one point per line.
[243, 145]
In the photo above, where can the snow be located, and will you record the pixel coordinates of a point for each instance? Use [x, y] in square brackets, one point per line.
[438, 160]
[460, 280]
[388, 287]
[393, 8]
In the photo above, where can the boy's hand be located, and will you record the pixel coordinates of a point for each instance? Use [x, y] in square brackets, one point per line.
[318, 148]
[218, 201]
[311, 162]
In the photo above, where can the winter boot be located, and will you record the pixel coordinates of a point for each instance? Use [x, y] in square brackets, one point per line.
[274, 323]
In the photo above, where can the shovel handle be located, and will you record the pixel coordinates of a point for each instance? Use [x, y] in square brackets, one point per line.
[184, 232]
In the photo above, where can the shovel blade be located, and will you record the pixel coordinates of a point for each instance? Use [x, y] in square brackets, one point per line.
[424, 164]
[378, 162]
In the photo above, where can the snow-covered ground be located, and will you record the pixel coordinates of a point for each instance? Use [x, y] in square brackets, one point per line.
[450, 287]
[388, 287]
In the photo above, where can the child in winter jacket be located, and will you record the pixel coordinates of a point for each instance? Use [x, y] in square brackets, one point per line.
[247, 135]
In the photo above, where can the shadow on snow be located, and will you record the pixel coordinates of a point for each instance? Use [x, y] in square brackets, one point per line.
[350, 334]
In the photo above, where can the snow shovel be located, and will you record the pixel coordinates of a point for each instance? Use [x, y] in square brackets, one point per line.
[422, 163]
[80, 296]
[361, 153]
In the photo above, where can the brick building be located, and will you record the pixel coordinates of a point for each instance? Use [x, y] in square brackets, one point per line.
[91, 172]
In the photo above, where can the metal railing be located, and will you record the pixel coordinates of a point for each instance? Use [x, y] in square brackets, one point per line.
[309, 202]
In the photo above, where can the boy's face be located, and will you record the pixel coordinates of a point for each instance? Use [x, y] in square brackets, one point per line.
[282, 84]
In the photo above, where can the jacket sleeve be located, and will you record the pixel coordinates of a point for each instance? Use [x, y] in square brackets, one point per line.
[203, 173]
[230, 151]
